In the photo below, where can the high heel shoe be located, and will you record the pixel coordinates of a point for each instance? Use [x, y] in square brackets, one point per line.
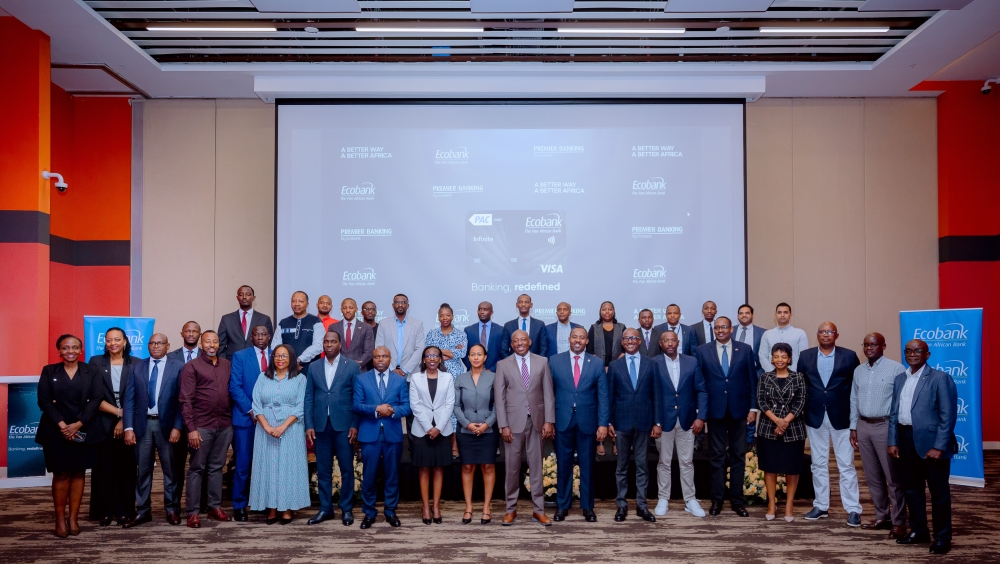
[426, 518]
[769, 516]
[487, 517]
[63, 533]
[789, 518]
[437, 520]
[466, 521]
[73, 530]
[272, 520]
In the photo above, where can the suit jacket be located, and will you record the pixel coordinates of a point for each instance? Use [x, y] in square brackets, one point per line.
[552, 337]
[513, 401]
[243, 372]
[590, 397]
[414, 339]
[428, 413]
[654, 346]
[231, 339]
[736, 391]
[337, 402]
[102, 365]
[366, 399]
[758, 332]
[475, 404]
[782, 398]
[933, 412]
[699, 329]
[61, 405]
[633, 408]
[362, 341]
[689, 340]
[834, 399]
[536, 332]
[688, 400]
[179, 355]
[492, 347]
[136, 403]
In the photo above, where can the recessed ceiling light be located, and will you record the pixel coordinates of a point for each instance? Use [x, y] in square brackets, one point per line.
[815, 30]
[614, 31]
[419, 29]
[311, 30]
[251, 29]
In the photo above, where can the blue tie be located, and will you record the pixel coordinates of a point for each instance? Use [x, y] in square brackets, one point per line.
[632, 374]
[725, 361]
[381, 385]
[524, 325]
[152, 383]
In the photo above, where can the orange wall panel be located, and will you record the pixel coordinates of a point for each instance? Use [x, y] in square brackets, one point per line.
[24, 312]
[75, 291]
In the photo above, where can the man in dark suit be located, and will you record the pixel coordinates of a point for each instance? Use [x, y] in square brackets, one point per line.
[332, 426]
[189, 350]
[634, 408]
[557, 334]
[686, 335]
[486, 333]
[234, 328]
[381, 402]
[152, 421]
[357, 337]
[922, 436]
[731, 380]
[246, 366]
[647, 346]
[704, 328]
[524, 322]
[749, 334]
[683, 404]
[580, 388]
[369, 311]
[829, 374]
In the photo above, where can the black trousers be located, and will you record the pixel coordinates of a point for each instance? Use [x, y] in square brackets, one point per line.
[918, 471]
[727, 448]
[112, 482]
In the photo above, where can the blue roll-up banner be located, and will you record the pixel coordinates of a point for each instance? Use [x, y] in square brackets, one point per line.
[24, 455]
[137, 330]
[955, 340]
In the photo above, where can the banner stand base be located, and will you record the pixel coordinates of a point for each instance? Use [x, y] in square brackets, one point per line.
[962, 481]
[28, 482]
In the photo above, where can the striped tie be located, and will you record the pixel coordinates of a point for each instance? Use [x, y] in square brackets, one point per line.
[524, 377]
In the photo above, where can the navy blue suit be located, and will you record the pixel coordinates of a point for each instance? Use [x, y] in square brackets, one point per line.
[731, 395]
[536, 332]
[243, 373]
[685, 403]
[580, 410]
[552, 337]
[757, 333]
[834, 399]
[689, 339]
[329, 412]
[633, 412]
[381, 438]
[493, 352]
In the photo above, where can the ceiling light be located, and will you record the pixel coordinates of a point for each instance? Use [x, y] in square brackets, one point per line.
[260, 29]
[815, 30]
[419, 29]
[613, 31]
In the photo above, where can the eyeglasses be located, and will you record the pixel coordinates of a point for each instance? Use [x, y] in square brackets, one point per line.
[399, 303]
[630, 338]
[157, 343]
[913, 351]
[723, 327]
[827, 332]
[281, 357]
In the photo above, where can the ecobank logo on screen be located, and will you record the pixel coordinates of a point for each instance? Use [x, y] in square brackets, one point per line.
[654, 186]
[361, 192]
[452, 156]
[359, 277]
[655, 274]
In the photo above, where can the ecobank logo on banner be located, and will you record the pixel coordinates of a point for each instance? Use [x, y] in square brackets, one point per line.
[360, 192]
[137, 331]
[24, 455]
[359, 277]
[654, 186]
[656, 274]
[954, 338]
[453, 156]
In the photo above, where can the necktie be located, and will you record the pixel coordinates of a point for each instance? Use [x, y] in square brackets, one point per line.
[524, 377]
[524, 324]
[152, 383]
[743, 335]
[725, 361]
[482, 336]
[576, 371]
[710, 332]
[632, 374]
[347, 339]
[381, 385]
[647, 338]
[189, 357]
[263, 361]
[243, 324]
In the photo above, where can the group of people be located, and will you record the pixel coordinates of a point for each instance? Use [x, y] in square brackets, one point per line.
[331, 384]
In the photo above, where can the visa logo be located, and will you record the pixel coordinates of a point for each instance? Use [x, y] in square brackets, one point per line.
[552, 268]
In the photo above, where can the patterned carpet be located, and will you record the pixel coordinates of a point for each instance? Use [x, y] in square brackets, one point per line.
[25, 536]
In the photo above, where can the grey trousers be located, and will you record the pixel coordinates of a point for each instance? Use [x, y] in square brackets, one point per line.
[881, 472]
[527, 444]
[684, 441]
[636, 444]
[207, 464]
[150, 444]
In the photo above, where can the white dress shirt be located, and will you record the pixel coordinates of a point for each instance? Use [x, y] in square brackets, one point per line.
[527, 323]
[680, 336]
[709, 330]
[906, 395]
[261, 353]
[195, 352]
[647, 335]
[330, 369]
[527, 359]
[729, 352]
[249, 314]
[674, 369]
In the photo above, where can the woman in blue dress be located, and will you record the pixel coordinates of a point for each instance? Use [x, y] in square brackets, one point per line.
[279, 480]
[454, 345]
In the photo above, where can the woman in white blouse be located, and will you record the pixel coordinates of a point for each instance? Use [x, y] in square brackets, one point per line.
[432, 399]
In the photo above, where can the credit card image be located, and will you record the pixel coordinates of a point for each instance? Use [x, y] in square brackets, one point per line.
[515, 242]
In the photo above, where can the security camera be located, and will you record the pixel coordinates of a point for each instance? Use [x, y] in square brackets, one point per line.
[60, 183]
[986, 89]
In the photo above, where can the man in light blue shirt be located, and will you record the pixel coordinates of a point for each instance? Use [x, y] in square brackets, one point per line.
[558, 333]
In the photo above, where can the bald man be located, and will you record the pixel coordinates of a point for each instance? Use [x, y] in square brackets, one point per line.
[557, 334]
[829, 374]
[324, 305]
[356, 337]
[152, 421]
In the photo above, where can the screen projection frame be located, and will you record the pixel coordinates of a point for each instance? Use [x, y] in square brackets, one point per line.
[504, 102]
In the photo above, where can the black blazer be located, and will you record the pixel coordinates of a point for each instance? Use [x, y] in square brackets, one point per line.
[536, 332]
[57, 404]
[638, 408]
[231, 340]
[699, 329]
[337, 402]
[654, 346]
[102, 366]
[689, 338]
[833, 399]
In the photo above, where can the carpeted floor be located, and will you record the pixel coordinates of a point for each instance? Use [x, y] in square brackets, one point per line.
[25, 536]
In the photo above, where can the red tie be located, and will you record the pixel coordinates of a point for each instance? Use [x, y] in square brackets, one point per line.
[263, 361]
[347, 342]
[576, 371]
[243, 323]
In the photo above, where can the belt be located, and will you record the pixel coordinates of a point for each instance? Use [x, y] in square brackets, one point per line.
[873, 419]
[152, 416]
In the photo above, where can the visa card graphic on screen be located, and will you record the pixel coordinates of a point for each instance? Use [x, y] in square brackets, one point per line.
[515, 242]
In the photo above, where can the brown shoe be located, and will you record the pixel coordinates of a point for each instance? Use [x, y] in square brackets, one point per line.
[218, 514]
[193, 521]
[173, 518]
[509, 518]
[897, 532]
[878, 525]
[542, 519]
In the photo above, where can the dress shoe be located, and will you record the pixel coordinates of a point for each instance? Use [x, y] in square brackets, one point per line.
[740, 510]
[366, 523]
[542, 519]
[816, 513]
[62, 529]
[106, 521]
[716, 508]
[392, 520]
[589, 515]
[466, 521]
[509, 519]
[897, 532]
[173, 518]
[486, 518]
[347, 518]
[271, 520]
[74, 528]
[286, 520]
[240, 515]
[694, 508]
[560, 515]
[437, 520]
[621, 514]
[194, 521]
[135, 521]
[940, 547]
[218, 514]
[661, 508]
[854, 520]
[914, 538]
[319, 518]
[645, 514]
[877, 525]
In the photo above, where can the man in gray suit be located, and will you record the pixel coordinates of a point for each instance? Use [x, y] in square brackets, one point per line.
[357, 337]
[526, 414]
[404, 337]
[922, 436]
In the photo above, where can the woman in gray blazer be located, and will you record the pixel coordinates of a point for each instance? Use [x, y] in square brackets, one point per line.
[477, 436]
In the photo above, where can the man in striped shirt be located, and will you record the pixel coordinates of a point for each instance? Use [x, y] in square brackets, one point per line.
[871, 401]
